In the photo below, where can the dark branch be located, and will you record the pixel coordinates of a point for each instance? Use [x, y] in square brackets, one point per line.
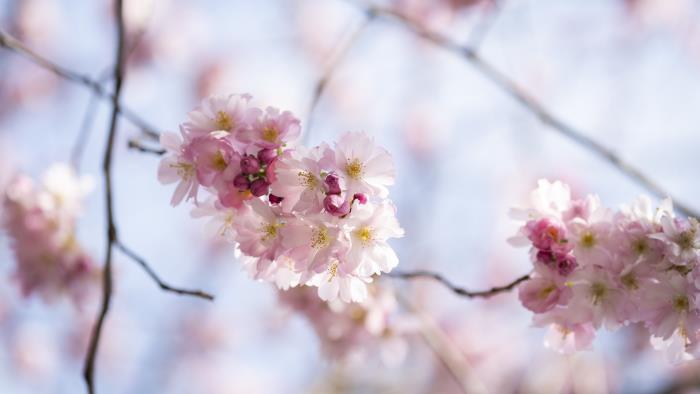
[456, 289]
[142, 262]
[136, 145]
[524, 98]
[89, 371]
[9, 42]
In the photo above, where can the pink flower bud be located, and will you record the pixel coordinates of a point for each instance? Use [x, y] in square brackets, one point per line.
[336, 205]
[259, 187]
[361, 197]
[332, 184]
[250, 165]
[241, 182]
[267, 155]
[275, 199]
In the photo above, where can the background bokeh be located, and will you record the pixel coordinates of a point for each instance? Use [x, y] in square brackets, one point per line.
[625, 72]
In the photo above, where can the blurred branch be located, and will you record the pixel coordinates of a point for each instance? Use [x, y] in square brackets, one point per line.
[86, 124]
[164, 286]
[529, 102]
[483, 27]
[89, 371]
[137, 145]
[9, 42]
[342, 49]
[456, 289]
[444, 349]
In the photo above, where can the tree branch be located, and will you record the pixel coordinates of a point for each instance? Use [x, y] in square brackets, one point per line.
[164, 286]
[456, 289]
[332, 65]
[136, 145]
[89, 371]
[9, 42]
[530, 103]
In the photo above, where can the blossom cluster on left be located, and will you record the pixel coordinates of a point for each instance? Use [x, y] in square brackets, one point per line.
[317, 217]
[40, 220]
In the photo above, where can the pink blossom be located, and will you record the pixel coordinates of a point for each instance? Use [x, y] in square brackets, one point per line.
[272, 129]
[365, 167]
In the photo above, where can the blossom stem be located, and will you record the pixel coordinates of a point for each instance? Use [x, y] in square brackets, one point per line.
[456, 289]
[137, 145]
[162, 284]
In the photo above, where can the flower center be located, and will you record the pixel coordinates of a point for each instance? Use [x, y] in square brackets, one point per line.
[588, 240]
[184, 170]
[269, 231]
[686, 240]
[223, 121]
[598, 292]
[320, 238]
[332, 271]
[681, 304]
[306, 178]
[544, 293]
[218, 161]
[640, 246]
[364, 234]
[354, 169]
[630, 281]
[270, 134]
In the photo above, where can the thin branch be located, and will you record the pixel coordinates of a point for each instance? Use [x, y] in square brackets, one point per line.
[89, 371]
[530, 103]
[457, 289]
[9, 42]
[341, 51]
[163, 285]
[136, 145]
[485, 24]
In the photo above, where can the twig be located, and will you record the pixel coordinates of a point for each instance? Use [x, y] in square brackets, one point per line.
[530, 103]
[89, 371]
[9, 42]
[134, 144]
[483, 27]
[456, 289]
[341, 51]
[164, 286]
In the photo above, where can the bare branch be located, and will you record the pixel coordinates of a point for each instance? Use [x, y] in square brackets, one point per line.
[529, 102]
[89, 371]
[341, 51]
[9, 42]
[137, 145]
[456, 289]
[166, 287]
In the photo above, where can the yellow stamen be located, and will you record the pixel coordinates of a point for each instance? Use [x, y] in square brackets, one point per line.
[219, 162]
[598, 292]
[354, 169]
[320, 238]
[270, 134]
[332, 271]
[588, 240]
[308, 179]
[223, 121]
[364, 234]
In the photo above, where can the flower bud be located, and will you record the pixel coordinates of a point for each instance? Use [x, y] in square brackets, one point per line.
[275, 199]
[250, 165]
[259, 187]
[241, 182]
[360, 197]
[332, 183]
[336, 205]
[267, 155]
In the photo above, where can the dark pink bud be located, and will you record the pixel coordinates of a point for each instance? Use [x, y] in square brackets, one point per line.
[332, 184]
[267, 156]
[361, 197]
[336, 205]
[566, 264]
[259, 187]
[250, 165]
[275, 199]
[241, 182]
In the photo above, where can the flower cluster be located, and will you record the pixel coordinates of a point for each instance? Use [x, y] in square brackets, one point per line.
[596, 267]
[41, 221]
[355, 331]
[317, 217]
